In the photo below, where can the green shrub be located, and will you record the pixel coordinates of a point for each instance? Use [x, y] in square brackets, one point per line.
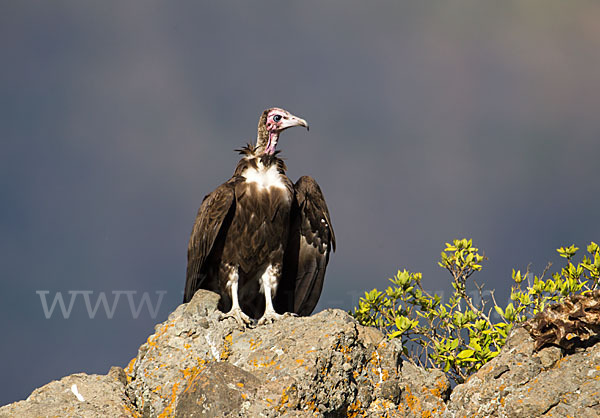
[461, 335]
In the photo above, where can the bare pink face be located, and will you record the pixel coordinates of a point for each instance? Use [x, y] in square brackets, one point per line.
[277, 121]
[274, 119]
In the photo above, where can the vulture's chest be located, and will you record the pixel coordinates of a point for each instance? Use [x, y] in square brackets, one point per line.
[263, 179]
[262, 215]
[265, 192]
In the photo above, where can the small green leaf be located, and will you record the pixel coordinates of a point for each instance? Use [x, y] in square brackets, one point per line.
[454, 344]
[465, 354]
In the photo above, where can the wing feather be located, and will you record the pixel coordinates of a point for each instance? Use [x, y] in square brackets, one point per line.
[310, 242]
[209, 221]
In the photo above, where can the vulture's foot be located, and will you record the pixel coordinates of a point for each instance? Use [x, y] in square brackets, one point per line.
[269, 317]
[272, 316]
[239, 316]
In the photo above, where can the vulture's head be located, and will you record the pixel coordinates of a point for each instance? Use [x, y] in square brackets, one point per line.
[271, 123]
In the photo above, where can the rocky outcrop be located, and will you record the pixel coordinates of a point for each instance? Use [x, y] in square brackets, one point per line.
[523, 382]
[198, 365]
[78, 395]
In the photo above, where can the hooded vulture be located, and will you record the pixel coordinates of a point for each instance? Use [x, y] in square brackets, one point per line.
[259, 240]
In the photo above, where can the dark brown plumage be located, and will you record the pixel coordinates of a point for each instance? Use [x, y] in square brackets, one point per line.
[310, 241]
[260, 241]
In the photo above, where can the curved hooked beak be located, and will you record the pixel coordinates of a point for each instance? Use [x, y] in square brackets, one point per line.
[291, 121]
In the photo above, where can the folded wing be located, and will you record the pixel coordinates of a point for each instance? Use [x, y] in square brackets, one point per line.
[208, 232]
[310, 242]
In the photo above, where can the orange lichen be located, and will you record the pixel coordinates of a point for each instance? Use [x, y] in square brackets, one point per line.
[355, 410]
[153, 339]
[129, 370]
[132, 412]
[262, 362]
[344, 349]
[439, 388]
[254, 344]
[413, 403]
[191, 373]
[311, 406]
[283, 401]
[168, 412]
[227, 342]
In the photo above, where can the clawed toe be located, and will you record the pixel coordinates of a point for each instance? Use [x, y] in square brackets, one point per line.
[240, 317]
[270, 317]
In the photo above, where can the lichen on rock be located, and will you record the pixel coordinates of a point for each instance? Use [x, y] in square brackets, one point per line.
[327, 365]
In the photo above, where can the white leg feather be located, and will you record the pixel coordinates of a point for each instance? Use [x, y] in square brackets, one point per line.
[235, 311]
[268, 284]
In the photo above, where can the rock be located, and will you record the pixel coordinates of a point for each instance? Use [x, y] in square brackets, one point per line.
[212, 392]
[523, 382]
[326, 364]
[424, 392]
[78, 395]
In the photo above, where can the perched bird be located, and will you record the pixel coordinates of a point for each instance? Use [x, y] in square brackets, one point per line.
[259, 240]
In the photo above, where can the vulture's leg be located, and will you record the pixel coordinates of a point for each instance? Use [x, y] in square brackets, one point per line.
[268, 284]
[235, 311]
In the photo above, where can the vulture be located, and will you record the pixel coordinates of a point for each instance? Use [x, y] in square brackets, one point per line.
[259, 240]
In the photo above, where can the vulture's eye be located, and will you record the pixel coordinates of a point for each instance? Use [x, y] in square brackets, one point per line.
[277, 118]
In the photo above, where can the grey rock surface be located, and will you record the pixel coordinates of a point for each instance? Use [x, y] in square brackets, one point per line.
[99, 396]
[198, 365]
[521, 382]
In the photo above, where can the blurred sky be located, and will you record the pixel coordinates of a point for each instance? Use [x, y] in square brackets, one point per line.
[429, 121]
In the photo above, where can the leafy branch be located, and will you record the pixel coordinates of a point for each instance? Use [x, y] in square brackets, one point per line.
[461, 335]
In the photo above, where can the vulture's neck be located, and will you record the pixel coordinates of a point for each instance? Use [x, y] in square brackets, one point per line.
[253, 157]
[266, 142]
